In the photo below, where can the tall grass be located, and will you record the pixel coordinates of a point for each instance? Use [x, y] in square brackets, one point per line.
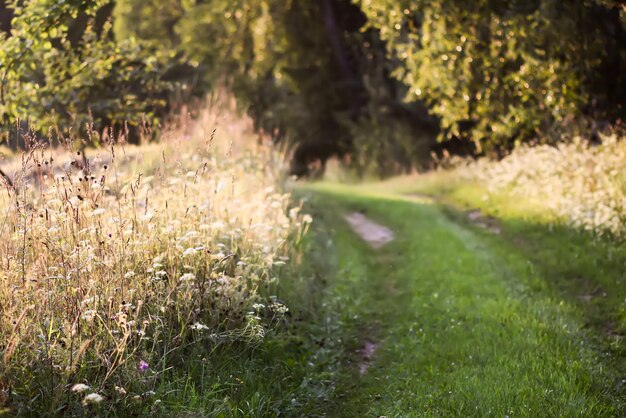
[114, 262]
[584, 184]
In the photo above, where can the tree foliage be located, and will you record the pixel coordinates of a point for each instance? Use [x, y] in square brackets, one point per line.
[499, 71]
[374, 81]
[60, 66]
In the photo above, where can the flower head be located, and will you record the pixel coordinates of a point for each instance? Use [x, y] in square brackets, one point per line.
[92, 398]
[143, 366]
[79, 387]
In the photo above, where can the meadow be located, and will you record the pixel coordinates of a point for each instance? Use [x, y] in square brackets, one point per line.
[114, 263]
[502, 294]
[186, 277]
[580, 183]
[343, 208]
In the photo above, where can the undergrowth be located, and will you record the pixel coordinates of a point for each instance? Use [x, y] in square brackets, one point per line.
[115, 263]
[582, 183]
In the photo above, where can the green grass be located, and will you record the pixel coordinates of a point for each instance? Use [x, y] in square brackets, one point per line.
[292, 370]
[467, 323]
[587, 271]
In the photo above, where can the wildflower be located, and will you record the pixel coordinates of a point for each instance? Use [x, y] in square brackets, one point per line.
[147, 216]
[120, 390]
[143, 366]
[199, 327]
[217, 225]
[92, 398]
[187, 276]
[88, 315]
[79, 387]
[189, 251]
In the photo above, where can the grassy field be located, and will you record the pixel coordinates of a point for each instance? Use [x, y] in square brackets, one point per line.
[470, 322]
[178, 279]
[466, 320]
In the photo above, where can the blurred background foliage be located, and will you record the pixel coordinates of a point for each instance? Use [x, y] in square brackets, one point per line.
[382, 84]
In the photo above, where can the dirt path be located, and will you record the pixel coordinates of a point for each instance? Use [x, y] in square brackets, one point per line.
[374, 234]
[377, 236]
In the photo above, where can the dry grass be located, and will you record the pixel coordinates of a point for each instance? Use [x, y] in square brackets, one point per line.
[108, 269]
[584, 184]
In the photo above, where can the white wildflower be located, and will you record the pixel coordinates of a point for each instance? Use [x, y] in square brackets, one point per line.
[217, 225]
[79, 387]
[92, 398]
[147, 216]
[187, 276]
[89, 315]
[199, 327]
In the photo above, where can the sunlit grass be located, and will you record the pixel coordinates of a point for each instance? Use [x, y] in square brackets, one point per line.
[113, 264]
[467, 323]
[584, 184]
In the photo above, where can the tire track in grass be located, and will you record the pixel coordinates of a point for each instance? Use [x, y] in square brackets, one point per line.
[377, 236]
[463, 335]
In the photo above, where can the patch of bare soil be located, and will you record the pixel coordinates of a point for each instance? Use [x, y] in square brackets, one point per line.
[481, 220]
[588, 296]
[374, 234]
[366, 353]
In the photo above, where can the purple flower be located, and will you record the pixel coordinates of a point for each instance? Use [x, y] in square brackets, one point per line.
[143, 366]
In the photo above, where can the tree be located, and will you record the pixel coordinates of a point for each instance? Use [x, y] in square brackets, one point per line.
[62, 67]
[495, 71]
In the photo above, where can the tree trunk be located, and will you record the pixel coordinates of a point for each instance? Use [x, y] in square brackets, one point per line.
[6, 15]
